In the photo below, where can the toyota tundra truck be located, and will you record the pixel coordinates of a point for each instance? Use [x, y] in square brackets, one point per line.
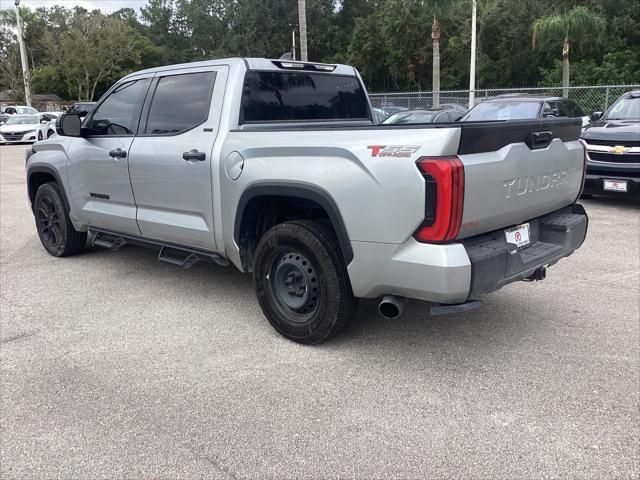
[278, 168]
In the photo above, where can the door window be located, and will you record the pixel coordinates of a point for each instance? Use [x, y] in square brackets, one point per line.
[575, 109]
[562, 109]
[180, 103]
[118, 115]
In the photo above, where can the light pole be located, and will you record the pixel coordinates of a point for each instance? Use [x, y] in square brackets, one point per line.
[293, 44]
[302, 21]
[23, 57]
[472, 67]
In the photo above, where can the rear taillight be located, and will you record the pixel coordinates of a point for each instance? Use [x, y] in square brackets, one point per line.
[444, 198]
[585, 157]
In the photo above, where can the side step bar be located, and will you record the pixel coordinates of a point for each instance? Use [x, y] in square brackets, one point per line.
[179, 255]
[110, 242]
[179, 258]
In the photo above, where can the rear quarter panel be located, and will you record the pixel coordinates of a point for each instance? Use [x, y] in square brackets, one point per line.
[380, 199]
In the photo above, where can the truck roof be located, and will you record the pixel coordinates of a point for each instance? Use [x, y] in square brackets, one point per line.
[256, 64]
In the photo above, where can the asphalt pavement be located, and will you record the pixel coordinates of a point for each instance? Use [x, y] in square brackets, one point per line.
[113, 365]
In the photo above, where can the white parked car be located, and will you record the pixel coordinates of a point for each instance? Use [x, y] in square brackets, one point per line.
[28, 128]
[18, 110]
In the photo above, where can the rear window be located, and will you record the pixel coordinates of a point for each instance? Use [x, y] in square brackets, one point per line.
[293, 96]
[502, 110]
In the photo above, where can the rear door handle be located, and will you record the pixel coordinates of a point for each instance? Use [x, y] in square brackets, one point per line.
[194, 155]
[118, 153]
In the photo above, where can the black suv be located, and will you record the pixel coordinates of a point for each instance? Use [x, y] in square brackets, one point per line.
[613, 149]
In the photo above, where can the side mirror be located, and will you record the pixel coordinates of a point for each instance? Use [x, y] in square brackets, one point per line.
[68, 125]
[596, 116]
[44, 121]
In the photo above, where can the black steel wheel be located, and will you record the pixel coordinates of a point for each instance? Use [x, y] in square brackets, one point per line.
[302, 282]
[295, 285]
[54, 227]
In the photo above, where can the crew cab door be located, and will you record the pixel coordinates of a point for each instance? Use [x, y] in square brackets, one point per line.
[170, 161]
[98, 170]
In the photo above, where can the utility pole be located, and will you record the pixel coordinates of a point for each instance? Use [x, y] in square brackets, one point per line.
[293, 44]
[302, 20]
[472, 68]
[23, 57]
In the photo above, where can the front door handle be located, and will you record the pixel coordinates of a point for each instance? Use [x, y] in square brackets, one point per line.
[194, 155]
[118, 153]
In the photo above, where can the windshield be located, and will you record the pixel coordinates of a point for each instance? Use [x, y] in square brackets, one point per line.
[26, 110]
[625, 109]
[502, 110]
[24, 120]
[410, 117]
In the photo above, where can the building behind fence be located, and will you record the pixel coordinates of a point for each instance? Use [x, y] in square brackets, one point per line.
[590, 98]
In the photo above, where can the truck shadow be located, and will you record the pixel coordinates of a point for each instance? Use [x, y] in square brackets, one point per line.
[501, 320]
[415, 328]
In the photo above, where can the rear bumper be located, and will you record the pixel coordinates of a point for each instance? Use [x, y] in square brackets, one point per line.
[594, 184]
[495, 263]
[455, 272]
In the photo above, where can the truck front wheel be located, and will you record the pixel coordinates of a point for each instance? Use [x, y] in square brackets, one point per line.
[55, 229]
[302, 283]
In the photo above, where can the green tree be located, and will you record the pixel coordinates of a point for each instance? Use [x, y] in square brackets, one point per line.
[364, 52]
[577, 25]
[95, 50]
[620, 67]
[10, 69]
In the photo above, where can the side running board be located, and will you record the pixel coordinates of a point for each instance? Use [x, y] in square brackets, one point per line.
[110, 242]
[181, 256]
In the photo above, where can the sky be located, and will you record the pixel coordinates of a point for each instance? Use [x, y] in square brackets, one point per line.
[107, 6]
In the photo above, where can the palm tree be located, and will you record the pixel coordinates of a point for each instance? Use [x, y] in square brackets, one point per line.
[577, 25]
[302, 19]
[439, 7]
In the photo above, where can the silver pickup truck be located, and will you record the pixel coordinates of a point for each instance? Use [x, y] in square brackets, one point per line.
[277, 167]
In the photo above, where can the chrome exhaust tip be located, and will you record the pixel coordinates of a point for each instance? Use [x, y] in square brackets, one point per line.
[391, 307]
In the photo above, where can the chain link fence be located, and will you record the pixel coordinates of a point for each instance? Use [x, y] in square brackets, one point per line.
[590, 98]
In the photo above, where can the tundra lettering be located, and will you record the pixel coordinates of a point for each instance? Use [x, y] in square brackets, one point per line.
[528, 184]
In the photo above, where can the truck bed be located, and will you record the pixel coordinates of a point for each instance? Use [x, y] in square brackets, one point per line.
[513, 170]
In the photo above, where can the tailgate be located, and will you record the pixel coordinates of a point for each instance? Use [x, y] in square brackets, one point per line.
[518, 170]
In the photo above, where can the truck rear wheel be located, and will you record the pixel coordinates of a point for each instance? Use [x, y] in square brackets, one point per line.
[54, 227]
[302, 283]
